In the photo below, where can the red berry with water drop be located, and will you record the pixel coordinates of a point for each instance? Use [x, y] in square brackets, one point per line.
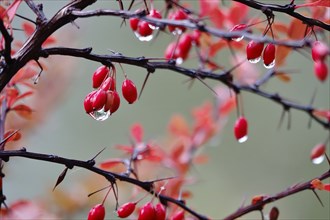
[269, 54]
[320, 70]
[160, 212]
[241, 128]
[254, 50]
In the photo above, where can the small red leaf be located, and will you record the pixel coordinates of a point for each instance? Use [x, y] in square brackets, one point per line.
[23, 110]
[322, 3]
[137, 132]
[327, 187]
[111, 163]
[12, 135]
[28, 28]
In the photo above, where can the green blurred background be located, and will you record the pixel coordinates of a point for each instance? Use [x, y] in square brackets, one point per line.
[270, 161]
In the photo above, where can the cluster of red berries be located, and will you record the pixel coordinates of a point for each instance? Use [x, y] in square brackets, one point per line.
[144, 30]
[254, 50]
[146, 212]
[105, 100]
[179, 50]
[319, 53]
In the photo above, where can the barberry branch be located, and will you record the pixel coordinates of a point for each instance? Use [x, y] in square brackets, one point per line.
[288, 9]
[269, 199]
[148, 185]
[8, 39]
[151, 66]
[110, 176]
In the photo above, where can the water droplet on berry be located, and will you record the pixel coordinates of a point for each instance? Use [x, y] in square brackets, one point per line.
[256, 60]
[242, 139]
[146, 38]
[238, 39]
[271, 65]
[100, 115]
[318, 160]
[179, 60]
[177, 31]
[153, 27]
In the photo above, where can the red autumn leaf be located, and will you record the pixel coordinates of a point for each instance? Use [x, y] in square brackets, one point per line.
[28, 28]
[49, 40]
[201, 159]
[214, 48]
[23, 110]
[226, 107]
[322, 3]
[279, 27]
[14, 135]
[237, 13]
[296, 30]
[281, 54]
[284, 77]
[111, 163]
[322, 114]
[327, 187]
[137, 132]
[11, 10]
[23, 74]
[178, 126]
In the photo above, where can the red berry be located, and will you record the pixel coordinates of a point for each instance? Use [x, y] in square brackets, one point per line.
[133, 23]
[178, 216]
[319, 51]
[160, 212]
[129, 91]
[99, 76]
[113, 102]
[321, 70]
[177, 15]
[185, 42]
[155, 14]
[99, 99]
[196, 35]
[178, 53]
[108, 84]
[269, 54]
[126, 209]
[147, 212]
[88, 105]
[97, 213]
[318, 151]
[254, 50]
[241, 129]
[144, 29]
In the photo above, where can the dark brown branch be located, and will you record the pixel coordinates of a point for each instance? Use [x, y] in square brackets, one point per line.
[288, 9]
[90, 165]
[147, 63]
[8, 39]
[288, 192]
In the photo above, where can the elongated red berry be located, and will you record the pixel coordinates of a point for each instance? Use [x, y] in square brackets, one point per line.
[160, 212]
[99, 99]
[319, 51]
[133, 23]
[238, 27]
[88, 104]
[154, 13]
[178, 216]
[99, 76]
[321, 70]
[144, 29]
[108, 84]
[269, 54]
[129, 91]
[317, 153]
[185, 42]
[177, 15]
[147, 212]
[126, 209]
[97, 213]
[254, 50]
[113, 102]
[241, 129]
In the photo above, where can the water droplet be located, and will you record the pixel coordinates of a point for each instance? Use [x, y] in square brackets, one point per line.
[177, 31]
[256, 60]
[318, 160]
[271, 65]
[179, 61]
[242, 139]
[238, 39]
[153, 27]
[137, 34]
[100, 115]
[146, 38]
